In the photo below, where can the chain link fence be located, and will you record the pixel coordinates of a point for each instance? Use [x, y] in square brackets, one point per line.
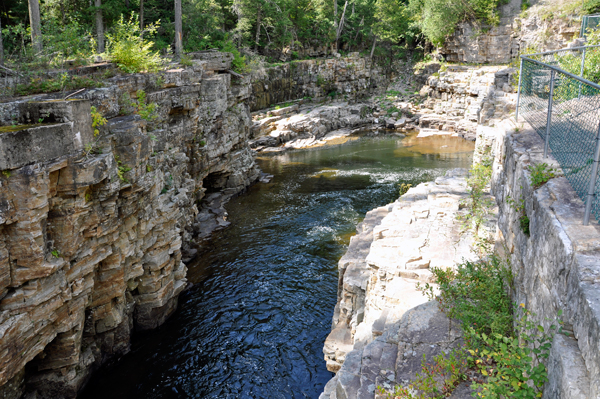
[564, 109]
[589, 22]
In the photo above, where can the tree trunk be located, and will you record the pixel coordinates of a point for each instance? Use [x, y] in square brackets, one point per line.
[99, 26]
[335, 23]
[36, 26]
[340, 28]
[1, 46]
[258, 21]
[373, 48]
[178, 31]
[142, 18]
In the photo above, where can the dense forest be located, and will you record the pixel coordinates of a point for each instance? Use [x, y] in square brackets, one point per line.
[277, 29]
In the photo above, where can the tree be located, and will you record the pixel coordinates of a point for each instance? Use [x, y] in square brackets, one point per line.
[178, 30]
[99, 26]
[36, 26]
[142, 17]
[1, 45]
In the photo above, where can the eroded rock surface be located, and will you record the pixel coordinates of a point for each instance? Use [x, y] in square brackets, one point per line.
[393, 251]
[396, 356]
[91, 238]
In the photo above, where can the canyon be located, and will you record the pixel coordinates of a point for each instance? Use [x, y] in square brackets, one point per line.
[99, 219]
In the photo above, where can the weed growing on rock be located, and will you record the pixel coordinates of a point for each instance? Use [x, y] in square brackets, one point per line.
[501, 357]
[97, 120]
[478, 204]
[49, 85]
[6, 173]
[186, 61]
[129, 50]
[404, 187]
[540, 174]
[121, 170]
[476, 294]
[145, 110]
[523, 218]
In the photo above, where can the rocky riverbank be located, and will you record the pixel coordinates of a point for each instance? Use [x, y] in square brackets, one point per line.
[394, 249]
[453, 101]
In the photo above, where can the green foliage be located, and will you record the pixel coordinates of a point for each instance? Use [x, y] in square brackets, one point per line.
[49, 85]
[121, 170]
[476, 293]
[393, 21]
[186, 61]
[284, 105]
[524, 221]
[144, 109]
[404, 187]
[540, 174]
[503, 344]
[478, 204]
[239, 61]
[97, 120]
[438, 19]
[55, 253]
[513, 364]
[6, 173]
[129, 50]
[436, 379]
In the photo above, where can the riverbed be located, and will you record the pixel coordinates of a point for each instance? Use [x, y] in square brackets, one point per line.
[254, 322]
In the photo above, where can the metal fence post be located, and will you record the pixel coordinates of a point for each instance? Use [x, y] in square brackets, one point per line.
[583, 62]
[549, 119]
[519, 90]
[582, 70]
[593, 178]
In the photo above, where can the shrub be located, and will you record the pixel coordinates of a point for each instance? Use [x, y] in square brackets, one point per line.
[476, 293]
[129, 50]
[239, 61]
[501, 341]
[540, 174]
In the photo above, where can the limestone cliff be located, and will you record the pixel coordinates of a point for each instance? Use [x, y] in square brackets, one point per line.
[547, 25]
[92, 227]
[320, 79]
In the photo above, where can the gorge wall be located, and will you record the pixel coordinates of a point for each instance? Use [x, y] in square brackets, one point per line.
[346, 78]
[543, 27]
[93, 228]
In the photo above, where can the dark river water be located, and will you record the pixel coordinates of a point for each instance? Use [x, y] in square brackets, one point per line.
[254, 323]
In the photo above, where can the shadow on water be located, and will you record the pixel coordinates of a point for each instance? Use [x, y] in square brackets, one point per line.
[254, 323]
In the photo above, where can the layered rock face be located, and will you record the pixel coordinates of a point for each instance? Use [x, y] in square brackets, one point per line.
[348, 78]
[515, 33]
[393, 251]
[460, 98]
[92, 226]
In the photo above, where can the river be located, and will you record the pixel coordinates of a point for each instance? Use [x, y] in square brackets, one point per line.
[254, 322]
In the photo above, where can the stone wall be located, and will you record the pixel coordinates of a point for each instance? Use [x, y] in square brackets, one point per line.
[92, 234]
[557, 266]
[349, 78]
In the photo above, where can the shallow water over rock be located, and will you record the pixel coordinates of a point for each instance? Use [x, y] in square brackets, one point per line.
[254, 323]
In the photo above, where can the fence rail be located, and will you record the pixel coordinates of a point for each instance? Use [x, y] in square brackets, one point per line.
[589, 22]
[562, 104]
